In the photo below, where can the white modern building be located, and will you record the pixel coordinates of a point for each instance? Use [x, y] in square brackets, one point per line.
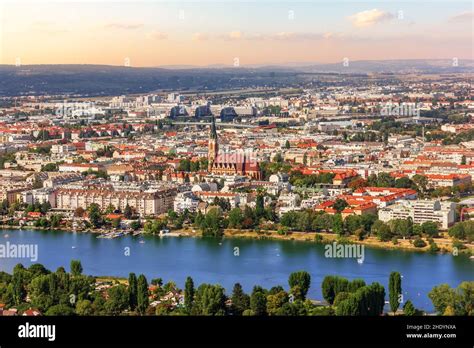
[443, 213]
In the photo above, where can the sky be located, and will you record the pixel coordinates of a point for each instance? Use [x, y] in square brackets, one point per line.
[232, 32]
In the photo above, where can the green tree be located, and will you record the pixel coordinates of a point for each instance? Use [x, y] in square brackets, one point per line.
[442, 296]
[142, 294]
[94, 214]
[366, 301]
[117, 300]
[421, 181]
[211, 224]
[132, 291]
[235, 218]
[189, 294]
[50, 167]
[394, 290]
[453, 301]
[59, 310]
[430, 228]
[302, 280]
[409, 309]
[258, 302]
[76, 268]
[381, 230]
[42, 292]
[340, 205]
[338, 225]
[84, 307]
[259, 206]
[240, 300]
[400, 227]
[55, 220]
[275, 302]
[209, 300]
[327, 287]
[135, 225]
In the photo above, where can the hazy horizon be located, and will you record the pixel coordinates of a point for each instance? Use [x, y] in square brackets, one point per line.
[262, 65]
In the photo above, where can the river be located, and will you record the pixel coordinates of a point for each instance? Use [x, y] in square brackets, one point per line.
[249, 262]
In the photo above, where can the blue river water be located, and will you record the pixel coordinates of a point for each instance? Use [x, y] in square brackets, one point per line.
[249, 262]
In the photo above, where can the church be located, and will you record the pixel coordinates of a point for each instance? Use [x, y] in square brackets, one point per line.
[238, 163]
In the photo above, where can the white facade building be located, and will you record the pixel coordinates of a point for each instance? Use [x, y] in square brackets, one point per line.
[443, 213]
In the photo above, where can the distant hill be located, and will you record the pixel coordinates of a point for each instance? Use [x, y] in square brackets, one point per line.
[423, 66]
[115, 80]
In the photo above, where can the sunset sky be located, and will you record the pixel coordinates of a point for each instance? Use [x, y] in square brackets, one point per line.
[155, 33]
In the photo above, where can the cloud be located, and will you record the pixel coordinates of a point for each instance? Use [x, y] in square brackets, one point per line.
[369, 18]
[158, 35]
[200, 37]
[125, 26]
[462, 17]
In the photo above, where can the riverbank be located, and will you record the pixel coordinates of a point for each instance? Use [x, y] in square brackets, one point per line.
[444, 243]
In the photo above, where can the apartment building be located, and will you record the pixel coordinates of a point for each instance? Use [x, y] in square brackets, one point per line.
[149, 202]
[41, 195]
[443, 213]
[448, 180]
[185, 200]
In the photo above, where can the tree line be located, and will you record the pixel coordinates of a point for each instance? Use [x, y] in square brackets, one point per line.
[73, 293]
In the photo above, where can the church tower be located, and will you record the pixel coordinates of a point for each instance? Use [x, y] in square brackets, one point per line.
[213, 145]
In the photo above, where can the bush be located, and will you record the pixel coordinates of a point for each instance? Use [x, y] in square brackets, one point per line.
[433, 246]
[395, 240]
[419, 243]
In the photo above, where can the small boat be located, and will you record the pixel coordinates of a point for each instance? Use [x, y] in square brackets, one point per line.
[472, 257]
[73, 247]
[142, 242]
[6, 236]
[360, 261]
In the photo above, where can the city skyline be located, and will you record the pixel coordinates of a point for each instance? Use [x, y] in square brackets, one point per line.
[202, 34]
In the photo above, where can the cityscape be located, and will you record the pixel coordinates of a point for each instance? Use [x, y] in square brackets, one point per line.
[302, 172]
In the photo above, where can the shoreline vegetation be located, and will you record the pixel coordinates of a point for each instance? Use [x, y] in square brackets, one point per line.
[444, 243]
[60, 293]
